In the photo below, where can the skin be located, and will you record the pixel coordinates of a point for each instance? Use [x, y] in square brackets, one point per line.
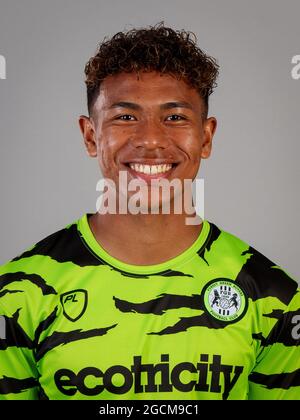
[145, 132]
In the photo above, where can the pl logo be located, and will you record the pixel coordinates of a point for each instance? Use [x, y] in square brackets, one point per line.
[2, 67]
[74, 304]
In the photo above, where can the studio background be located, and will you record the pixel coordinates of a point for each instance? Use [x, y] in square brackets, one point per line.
[252, 177]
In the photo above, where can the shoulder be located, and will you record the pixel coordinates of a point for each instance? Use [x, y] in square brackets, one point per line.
[257, 274]
[34, 278]
[55, 245]
[63, 246]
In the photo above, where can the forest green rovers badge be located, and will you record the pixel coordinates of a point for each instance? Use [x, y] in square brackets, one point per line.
[224, 300]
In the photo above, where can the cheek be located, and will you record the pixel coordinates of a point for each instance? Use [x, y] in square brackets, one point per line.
[107, 149]
[192, 146]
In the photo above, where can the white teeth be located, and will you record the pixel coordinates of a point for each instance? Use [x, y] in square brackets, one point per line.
[150, 169]
[147, 169]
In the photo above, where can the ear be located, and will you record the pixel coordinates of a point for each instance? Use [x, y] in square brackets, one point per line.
[88, 132]
[209, 129]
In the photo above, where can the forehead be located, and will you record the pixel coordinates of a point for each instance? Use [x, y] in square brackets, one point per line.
[145, 88]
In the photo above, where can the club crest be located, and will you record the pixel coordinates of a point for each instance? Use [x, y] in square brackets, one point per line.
[224, 300]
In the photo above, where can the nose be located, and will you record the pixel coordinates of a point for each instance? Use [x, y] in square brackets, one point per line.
[151, 135]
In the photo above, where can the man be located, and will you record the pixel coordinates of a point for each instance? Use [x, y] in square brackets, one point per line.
[143, 305]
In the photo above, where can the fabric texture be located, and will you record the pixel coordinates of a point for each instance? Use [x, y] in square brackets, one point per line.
[219, 321]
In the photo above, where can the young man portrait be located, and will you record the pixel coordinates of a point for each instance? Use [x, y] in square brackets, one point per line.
[133, 302]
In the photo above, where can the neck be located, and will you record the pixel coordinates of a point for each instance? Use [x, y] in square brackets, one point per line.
[144, 239]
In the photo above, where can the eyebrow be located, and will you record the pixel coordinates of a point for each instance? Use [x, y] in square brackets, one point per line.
[137, 107]
[175, 104]
[122, 104]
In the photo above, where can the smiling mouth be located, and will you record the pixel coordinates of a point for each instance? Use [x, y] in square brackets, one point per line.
[150, 171]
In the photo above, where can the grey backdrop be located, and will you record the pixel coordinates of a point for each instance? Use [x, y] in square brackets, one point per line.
[252, 177]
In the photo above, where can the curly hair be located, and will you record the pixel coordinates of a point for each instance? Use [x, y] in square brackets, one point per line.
[156, 48]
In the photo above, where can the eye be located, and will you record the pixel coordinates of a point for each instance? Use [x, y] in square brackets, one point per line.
[175, 117]
[126, 117]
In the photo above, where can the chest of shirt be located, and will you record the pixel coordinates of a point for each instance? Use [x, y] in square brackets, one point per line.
[145, 339]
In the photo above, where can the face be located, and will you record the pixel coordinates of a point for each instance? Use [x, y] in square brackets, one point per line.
[151, 126]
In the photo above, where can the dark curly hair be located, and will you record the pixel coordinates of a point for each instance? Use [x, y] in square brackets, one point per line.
[156, 48]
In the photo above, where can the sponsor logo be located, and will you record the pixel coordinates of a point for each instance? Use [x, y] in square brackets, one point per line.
[224, 300]
[74, 304]
[209, 375]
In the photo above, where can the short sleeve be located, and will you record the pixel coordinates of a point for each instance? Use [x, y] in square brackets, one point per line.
[276, 375]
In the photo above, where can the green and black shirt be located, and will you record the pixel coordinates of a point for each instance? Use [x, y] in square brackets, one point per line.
[219, 321]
